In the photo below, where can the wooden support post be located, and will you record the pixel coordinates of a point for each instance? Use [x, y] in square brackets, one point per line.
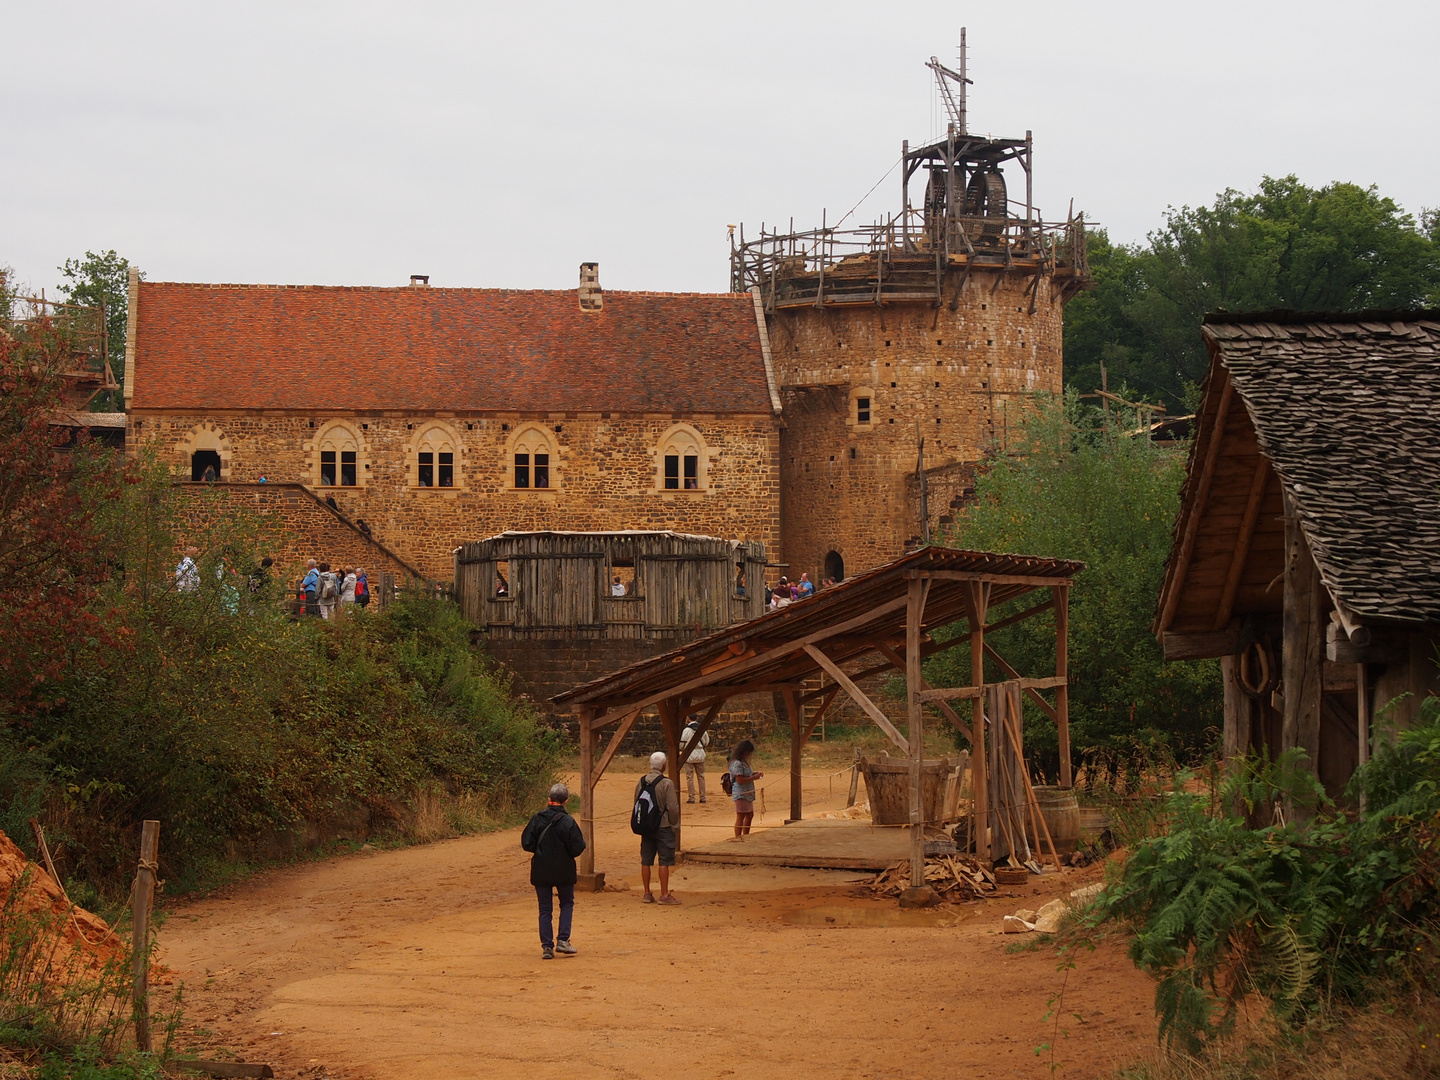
[792, 710]
[1362, 720]
[1303, 650]
[670, 711]
[854, 781]
[919, 894]
[979, 597]
[589, 880]
[140, 935]
[1062, 672]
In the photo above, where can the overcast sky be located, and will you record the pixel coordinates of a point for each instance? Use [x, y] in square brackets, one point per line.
[502, 144]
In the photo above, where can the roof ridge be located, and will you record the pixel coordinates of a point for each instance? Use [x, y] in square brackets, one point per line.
[1286, 316]
[260, 286]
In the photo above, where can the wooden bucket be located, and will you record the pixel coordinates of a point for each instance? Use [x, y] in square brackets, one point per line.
[887, 785]
[1061, 811]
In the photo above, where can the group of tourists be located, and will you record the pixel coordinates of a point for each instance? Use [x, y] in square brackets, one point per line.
[787, 591]
[326, 592]
[555, 840]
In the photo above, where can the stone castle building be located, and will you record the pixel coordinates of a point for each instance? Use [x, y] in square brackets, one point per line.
[833, 405]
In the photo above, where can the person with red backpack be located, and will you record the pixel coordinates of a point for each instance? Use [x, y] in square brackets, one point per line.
[362, 587]
[654, 818]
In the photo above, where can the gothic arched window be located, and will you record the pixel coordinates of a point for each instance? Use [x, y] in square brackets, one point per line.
[682, 459]
[532, 461]
[338, 457]
[436, 457]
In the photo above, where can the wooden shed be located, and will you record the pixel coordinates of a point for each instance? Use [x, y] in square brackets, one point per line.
[1307, 549]
[564, 584]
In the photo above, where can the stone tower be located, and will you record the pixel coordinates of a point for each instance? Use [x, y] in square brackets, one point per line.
[930, 329]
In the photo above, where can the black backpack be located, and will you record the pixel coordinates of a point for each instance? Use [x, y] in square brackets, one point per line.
[646, 815]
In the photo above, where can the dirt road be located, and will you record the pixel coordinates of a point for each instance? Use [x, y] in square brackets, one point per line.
[425, 962]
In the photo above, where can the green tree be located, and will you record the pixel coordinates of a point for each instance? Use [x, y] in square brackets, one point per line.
[1336, 248]
[102, 279]
[1074, 488]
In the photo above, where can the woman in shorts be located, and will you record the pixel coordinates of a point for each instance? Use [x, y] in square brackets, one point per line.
[742, 786]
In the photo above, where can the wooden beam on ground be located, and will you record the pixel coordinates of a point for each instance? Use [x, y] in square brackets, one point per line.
[1242, 543]
[610, 747]
[858, 696]
[1030, 691]
[760, 659]
[1197, 506]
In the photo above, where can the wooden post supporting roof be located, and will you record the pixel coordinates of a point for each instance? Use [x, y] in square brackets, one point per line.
[589, 880]
[979, 600]
[1304, 647]
[1062, 676]
[919, 892]
[792, 710]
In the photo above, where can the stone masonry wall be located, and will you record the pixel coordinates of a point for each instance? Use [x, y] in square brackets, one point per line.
[964, 376]
[605, 472]
[294, 527]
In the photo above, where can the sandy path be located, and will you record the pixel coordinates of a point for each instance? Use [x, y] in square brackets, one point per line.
[425, 962]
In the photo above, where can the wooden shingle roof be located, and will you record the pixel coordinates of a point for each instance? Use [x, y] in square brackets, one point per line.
[1346, 408]
[487, 350]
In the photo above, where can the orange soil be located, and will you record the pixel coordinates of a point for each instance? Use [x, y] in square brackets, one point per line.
[425, 962]
[86, 944]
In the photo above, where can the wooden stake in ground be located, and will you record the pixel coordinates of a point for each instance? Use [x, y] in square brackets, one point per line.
[140, 942]
[45, 854]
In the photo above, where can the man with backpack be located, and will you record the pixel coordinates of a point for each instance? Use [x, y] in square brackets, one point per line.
[554, 840]
[654, 818]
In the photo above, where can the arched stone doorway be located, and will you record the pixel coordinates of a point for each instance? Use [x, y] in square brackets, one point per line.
[834, 566]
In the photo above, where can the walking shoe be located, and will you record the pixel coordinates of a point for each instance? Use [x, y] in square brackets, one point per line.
[547, 952]
[566, 948]
[672, 899]
[649, 898]
[702, 798]
[689, 800]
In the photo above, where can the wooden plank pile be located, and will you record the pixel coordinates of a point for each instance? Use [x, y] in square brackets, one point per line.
[957, 878]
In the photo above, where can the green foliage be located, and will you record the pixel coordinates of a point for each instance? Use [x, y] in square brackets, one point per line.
[1336, 248]
[231, 723]
[98, 279]
[1074, 488]
[1299, 913]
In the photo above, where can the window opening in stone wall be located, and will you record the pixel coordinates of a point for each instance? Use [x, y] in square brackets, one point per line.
[522, 470]
[834, 566]
[862, 410]
[435, 459]
[622, 578]
[680, 451]
[531, 461]
[542, 470]
[339, 454]
[502, 579]
[205, 465]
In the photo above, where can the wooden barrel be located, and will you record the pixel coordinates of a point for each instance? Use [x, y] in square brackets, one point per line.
[1061, 811]
[887, 786]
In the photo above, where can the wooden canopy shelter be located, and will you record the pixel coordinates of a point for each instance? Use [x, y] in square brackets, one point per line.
[875, 623]
[1307, 549]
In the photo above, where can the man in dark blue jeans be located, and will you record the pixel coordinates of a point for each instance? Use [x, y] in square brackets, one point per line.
[554, 840]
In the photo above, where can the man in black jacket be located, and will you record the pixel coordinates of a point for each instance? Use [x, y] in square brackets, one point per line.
[554, 840]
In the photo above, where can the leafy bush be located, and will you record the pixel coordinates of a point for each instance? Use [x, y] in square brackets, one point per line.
[124, 697]
[1074, 487]
[1300, 913]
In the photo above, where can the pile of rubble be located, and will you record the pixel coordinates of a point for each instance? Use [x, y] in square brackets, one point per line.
[1049, 918]
[956, 878]
[75, 942]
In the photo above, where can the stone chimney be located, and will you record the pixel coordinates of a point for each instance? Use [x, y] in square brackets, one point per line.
[419, 281]
[591, 296]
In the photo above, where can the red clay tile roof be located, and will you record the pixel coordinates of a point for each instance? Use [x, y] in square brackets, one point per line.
[302, 347]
